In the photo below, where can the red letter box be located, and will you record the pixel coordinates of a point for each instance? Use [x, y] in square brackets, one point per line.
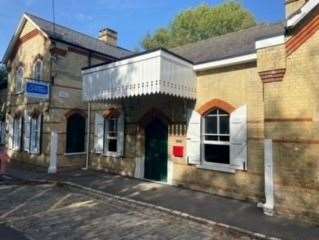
[178, 151]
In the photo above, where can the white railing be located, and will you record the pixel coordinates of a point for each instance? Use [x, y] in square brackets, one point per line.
[157, 72]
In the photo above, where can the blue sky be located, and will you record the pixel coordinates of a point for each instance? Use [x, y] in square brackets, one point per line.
[133, 19]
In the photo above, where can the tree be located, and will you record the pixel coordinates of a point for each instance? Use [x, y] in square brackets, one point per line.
[201, 23]
[3, 77]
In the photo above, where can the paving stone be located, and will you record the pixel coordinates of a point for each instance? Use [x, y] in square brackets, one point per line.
[56, 213]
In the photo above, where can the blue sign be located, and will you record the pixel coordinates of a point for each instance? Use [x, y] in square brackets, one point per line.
[35, 89]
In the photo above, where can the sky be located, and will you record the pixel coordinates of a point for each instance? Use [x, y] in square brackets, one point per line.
[132, 19]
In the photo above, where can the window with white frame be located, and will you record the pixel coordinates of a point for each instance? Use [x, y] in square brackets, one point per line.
[19, 79]
[38, 70]
[110, 135]
[16, 135]
[32, 133]
[216, 137]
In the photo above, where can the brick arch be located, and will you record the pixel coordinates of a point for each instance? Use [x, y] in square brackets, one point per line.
[112, 112]
[38, 57]
[75, 111]
[215, 103]
[35, 112]
[18, 112]
[150, 115]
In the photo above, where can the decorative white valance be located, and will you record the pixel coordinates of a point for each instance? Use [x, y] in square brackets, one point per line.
[157, 72]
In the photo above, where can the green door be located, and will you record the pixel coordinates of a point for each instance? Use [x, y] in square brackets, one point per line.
[156, 134]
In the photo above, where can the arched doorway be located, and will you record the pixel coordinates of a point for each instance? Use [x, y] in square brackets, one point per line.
[156, 150]
[75, 133]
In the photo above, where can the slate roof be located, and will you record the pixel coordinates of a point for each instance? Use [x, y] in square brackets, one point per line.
[229, 45]
[77, 38]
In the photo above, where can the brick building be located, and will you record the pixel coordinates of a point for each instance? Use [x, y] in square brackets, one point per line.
[235, 115]
[50, 55]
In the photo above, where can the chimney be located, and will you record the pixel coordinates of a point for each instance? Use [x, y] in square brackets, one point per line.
[292, 6]
[108, 36]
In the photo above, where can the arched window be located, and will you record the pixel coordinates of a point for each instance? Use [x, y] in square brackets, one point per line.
[38, 70]
[216, 137]
[75, 136]
[19, 79]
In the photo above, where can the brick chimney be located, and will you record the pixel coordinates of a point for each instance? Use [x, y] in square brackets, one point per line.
[108, 36]
[292, 6]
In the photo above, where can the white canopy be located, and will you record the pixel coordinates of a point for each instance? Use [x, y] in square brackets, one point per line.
[157, 72]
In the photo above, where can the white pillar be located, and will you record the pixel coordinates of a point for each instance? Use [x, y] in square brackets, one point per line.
[53, 153]
[269, 178]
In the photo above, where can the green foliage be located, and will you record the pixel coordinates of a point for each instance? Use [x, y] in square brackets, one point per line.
[3, 76]
[201, 23]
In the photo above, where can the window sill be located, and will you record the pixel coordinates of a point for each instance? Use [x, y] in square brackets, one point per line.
[74, 154]
[217, 167]
[19, 92]
[111, 154]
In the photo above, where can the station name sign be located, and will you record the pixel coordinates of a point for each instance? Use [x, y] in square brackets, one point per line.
[39, 90]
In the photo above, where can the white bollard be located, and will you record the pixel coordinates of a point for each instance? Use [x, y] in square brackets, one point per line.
[53, 154]
[268, 207]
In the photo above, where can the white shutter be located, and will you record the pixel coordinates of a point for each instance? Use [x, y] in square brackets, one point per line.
[10, 132]
[2, 132]
[193, 138]
[98, 133]
[120, 135]
[238, 138]
[38, 135]
[33, 135]
[19, 133]
[26, 135]
[105, 142]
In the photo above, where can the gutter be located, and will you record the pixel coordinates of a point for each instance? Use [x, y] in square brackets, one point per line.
[304, 11]
[226, 62]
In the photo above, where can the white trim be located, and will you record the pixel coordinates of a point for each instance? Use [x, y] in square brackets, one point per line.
[17, 33]
[217, 167]
[36, 26]
[226, 62]
[142, 57]
[304, 11]
[270, 42]
[74, 154]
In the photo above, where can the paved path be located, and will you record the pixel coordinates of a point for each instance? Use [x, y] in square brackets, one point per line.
[48, 212]
[223, 210]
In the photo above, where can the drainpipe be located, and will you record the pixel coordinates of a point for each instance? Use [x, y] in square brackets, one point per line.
[88, 138]
[88, 125]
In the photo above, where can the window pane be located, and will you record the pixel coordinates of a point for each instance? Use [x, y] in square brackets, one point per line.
[216, 153]
[112, 134]
[211, 138]
[224, 124]
[112, 125]
[214, 112]
[112, 145]
[211, 125]
[224, 138]
[222, 112]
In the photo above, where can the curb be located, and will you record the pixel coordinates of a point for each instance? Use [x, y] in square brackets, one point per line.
[177, 213]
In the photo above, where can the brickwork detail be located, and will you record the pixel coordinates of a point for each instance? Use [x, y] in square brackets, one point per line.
[276, 75]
